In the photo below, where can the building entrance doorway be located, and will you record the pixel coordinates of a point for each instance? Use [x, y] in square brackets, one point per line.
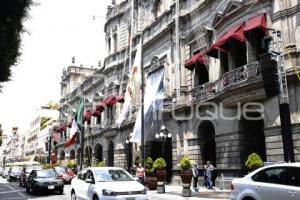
[163, 148]
[206, 134]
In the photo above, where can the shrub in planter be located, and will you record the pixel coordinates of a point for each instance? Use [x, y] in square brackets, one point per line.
[151, 180]
[46, 166]
[71, 164]
[186, 172]
[159, 166]
[101, 164]
[254, 162]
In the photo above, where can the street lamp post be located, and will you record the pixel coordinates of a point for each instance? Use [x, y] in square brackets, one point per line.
[128, 142]
[164, 134]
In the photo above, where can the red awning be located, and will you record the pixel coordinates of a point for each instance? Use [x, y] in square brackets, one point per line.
[109, 101]
[197, 58]
[62, 128]
[120, 98]
[258, 22]
[87, 116]
[235, 33]
[96, 113]
[213, 51]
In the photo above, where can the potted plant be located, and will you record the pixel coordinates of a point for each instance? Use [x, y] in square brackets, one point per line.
[101, 164]
[159, 166]
[186, 170]
[151, 180]
[254, 162]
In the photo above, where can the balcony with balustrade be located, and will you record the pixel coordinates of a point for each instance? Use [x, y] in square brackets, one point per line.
[242, 85]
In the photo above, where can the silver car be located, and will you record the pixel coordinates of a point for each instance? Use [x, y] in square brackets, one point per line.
[274, 182]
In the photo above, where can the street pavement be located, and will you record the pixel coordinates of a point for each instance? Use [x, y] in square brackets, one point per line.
[12, 190]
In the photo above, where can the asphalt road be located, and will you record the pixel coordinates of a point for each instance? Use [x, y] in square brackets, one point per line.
[12, 190]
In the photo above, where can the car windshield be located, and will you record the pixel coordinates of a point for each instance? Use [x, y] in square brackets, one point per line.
[46, 173]
[30, 168]
[60, 170]
[112, 175]
[16, 170]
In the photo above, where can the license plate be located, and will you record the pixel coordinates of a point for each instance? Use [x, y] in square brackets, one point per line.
[51, 187]
[130, 198]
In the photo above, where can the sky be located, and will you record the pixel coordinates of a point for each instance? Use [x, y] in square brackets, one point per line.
[56, 31]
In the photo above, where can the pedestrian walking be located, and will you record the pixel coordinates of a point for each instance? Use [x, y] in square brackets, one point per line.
[140, 173]
[195, 176]
[208, 173]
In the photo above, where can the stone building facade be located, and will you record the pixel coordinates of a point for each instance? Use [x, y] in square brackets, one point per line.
[206, 88]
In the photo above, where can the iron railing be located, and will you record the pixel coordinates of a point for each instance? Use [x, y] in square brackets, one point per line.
[227, 81]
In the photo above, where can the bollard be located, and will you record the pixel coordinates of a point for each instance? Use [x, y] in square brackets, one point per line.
[186, 190]
[160, 187]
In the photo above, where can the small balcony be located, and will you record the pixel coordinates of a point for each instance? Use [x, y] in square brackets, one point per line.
[229, 81]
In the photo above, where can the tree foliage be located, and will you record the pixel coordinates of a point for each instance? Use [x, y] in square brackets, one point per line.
[12, 15]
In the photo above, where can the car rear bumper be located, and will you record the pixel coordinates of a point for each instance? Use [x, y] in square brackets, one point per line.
[48, 188]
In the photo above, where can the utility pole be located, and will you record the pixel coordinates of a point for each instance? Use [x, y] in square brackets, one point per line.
[49, 147]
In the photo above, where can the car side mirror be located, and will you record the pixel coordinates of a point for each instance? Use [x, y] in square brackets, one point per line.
[89, 180]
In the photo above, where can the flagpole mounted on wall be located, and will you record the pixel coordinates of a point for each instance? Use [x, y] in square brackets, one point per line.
[142, 101]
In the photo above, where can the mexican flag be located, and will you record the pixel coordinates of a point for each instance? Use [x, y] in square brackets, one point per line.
[74, 128]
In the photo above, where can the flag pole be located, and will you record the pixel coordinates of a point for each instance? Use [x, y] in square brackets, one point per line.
[81, 127]
[142, 101]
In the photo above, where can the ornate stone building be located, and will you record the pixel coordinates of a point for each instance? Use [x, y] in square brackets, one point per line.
[215, 104]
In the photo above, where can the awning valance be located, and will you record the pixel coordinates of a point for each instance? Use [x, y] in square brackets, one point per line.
[197, 58]
[258, 22]
[120, 98]
[87, 116]
[96, 113]
[62, 128]
[109, 101]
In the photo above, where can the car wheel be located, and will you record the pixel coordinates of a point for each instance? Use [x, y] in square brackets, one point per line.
[73, 195]
[95, 197]
[61, 191]
[27, 189]
[248, 198]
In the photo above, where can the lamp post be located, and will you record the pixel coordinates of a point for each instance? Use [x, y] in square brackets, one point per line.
[128, 142]
[164, 134]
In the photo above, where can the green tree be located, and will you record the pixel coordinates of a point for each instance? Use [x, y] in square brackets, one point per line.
[12, 15]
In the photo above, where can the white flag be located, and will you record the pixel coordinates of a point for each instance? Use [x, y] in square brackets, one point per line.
[154, 95]
[132, 86]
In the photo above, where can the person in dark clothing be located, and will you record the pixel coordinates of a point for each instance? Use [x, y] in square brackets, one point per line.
[195, 176]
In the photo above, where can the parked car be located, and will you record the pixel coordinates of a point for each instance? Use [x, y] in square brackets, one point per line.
[1, 171]
[14, 174]
[25, 173]
[275, 182]
[44, 180]
[106, 183]
[65, 173]
[5, 172]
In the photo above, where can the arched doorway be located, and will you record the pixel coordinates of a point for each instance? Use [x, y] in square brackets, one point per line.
[206, 134]
[78, 156]
[128, 151]
[62, 155]
[251, 127]
[98, 153]
[88, 156]
[110, 154]
[72, 154]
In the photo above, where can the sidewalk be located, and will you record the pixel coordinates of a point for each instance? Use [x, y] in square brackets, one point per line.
[173, 192]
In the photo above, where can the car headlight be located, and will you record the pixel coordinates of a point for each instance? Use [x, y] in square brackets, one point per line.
[108, 193]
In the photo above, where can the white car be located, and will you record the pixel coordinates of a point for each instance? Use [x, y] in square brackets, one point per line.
[273, 182]
[101, 183]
